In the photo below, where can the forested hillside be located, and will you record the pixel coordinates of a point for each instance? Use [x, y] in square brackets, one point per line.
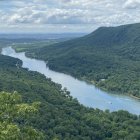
[60, 117]
[108, 57]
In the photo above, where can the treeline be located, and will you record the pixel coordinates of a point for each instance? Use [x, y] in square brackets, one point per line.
[109, 57]
[60, 117]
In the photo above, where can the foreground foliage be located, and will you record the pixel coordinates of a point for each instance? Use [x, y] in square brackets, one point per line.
[13, 115]
[60, 117]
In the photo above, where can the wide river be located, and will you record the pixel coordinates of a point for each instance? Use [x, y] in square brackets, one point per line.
[86, 94]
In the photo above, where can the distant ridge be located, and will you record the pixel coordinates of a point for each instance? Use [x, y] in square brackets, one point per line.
[110, 53]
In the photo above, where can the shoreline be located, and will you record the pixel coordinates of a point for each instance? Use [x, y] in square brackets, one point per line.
[135, 97]
[83, 79]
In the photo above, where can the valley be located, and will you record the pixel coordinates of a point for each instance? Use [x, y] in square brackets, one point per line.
[61, 116]
[69, 70]
[87, 94]
[108, 57]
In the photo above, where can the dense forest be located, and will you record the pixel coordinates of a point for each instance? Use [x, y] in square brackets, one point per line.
[59, 116]
[108, 57]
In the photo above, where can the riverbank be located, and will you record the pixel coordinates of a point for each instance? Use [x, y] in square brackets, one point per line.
[138, 98]
[66, 110]
[87, 94]
[106, 90]
[95, 83]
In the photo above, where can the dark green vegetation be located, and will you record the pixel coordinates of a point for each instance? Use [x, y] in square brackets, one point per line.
[60, 117]
[108, 57]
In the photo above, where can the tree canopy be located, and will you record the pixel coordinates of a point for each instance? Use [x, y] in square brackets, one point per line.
[13, 117]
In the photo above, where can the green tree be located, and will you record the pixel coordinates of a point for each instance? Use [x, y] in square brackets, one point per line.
[12, 112]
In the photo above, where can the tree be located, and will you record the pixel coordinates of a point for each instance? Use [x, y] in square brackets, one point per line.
[13, 117]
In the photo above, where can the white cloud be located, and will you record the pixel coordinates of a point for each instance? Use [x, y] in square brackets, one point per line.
[68, 13]
[132, 4]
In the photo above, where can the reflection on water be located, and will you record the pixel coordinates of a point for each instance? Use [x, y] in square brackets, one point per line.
[86, 94]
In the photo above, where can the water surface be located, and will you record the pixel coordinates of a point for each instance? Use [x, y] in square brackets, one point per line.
[86, 94]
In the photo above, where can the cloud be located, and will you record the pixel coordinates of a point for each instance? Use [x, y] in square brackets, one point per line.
[47, 16]
[68, 13]
[132, 4]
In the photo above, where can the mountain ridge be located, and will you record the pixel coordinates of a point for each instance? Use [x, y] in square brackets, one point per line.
[110, 53]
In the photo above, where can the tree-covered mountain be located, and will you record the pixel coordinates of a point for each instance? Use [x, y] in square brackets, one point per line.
[59, 117]
[109, 57]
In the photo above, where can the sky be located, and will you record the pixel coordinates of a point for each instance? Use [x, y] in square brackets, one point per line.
[65, 16]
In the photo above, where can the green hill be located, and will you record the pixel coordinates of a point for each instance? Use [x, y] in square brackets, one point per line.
[109, 57]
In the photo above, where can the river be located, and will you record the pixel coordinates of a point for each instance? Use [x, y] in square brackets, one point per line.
[86, 94]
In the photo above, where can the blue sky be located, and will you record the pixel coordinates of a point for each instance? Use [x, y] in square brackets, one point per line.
[58, 16]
